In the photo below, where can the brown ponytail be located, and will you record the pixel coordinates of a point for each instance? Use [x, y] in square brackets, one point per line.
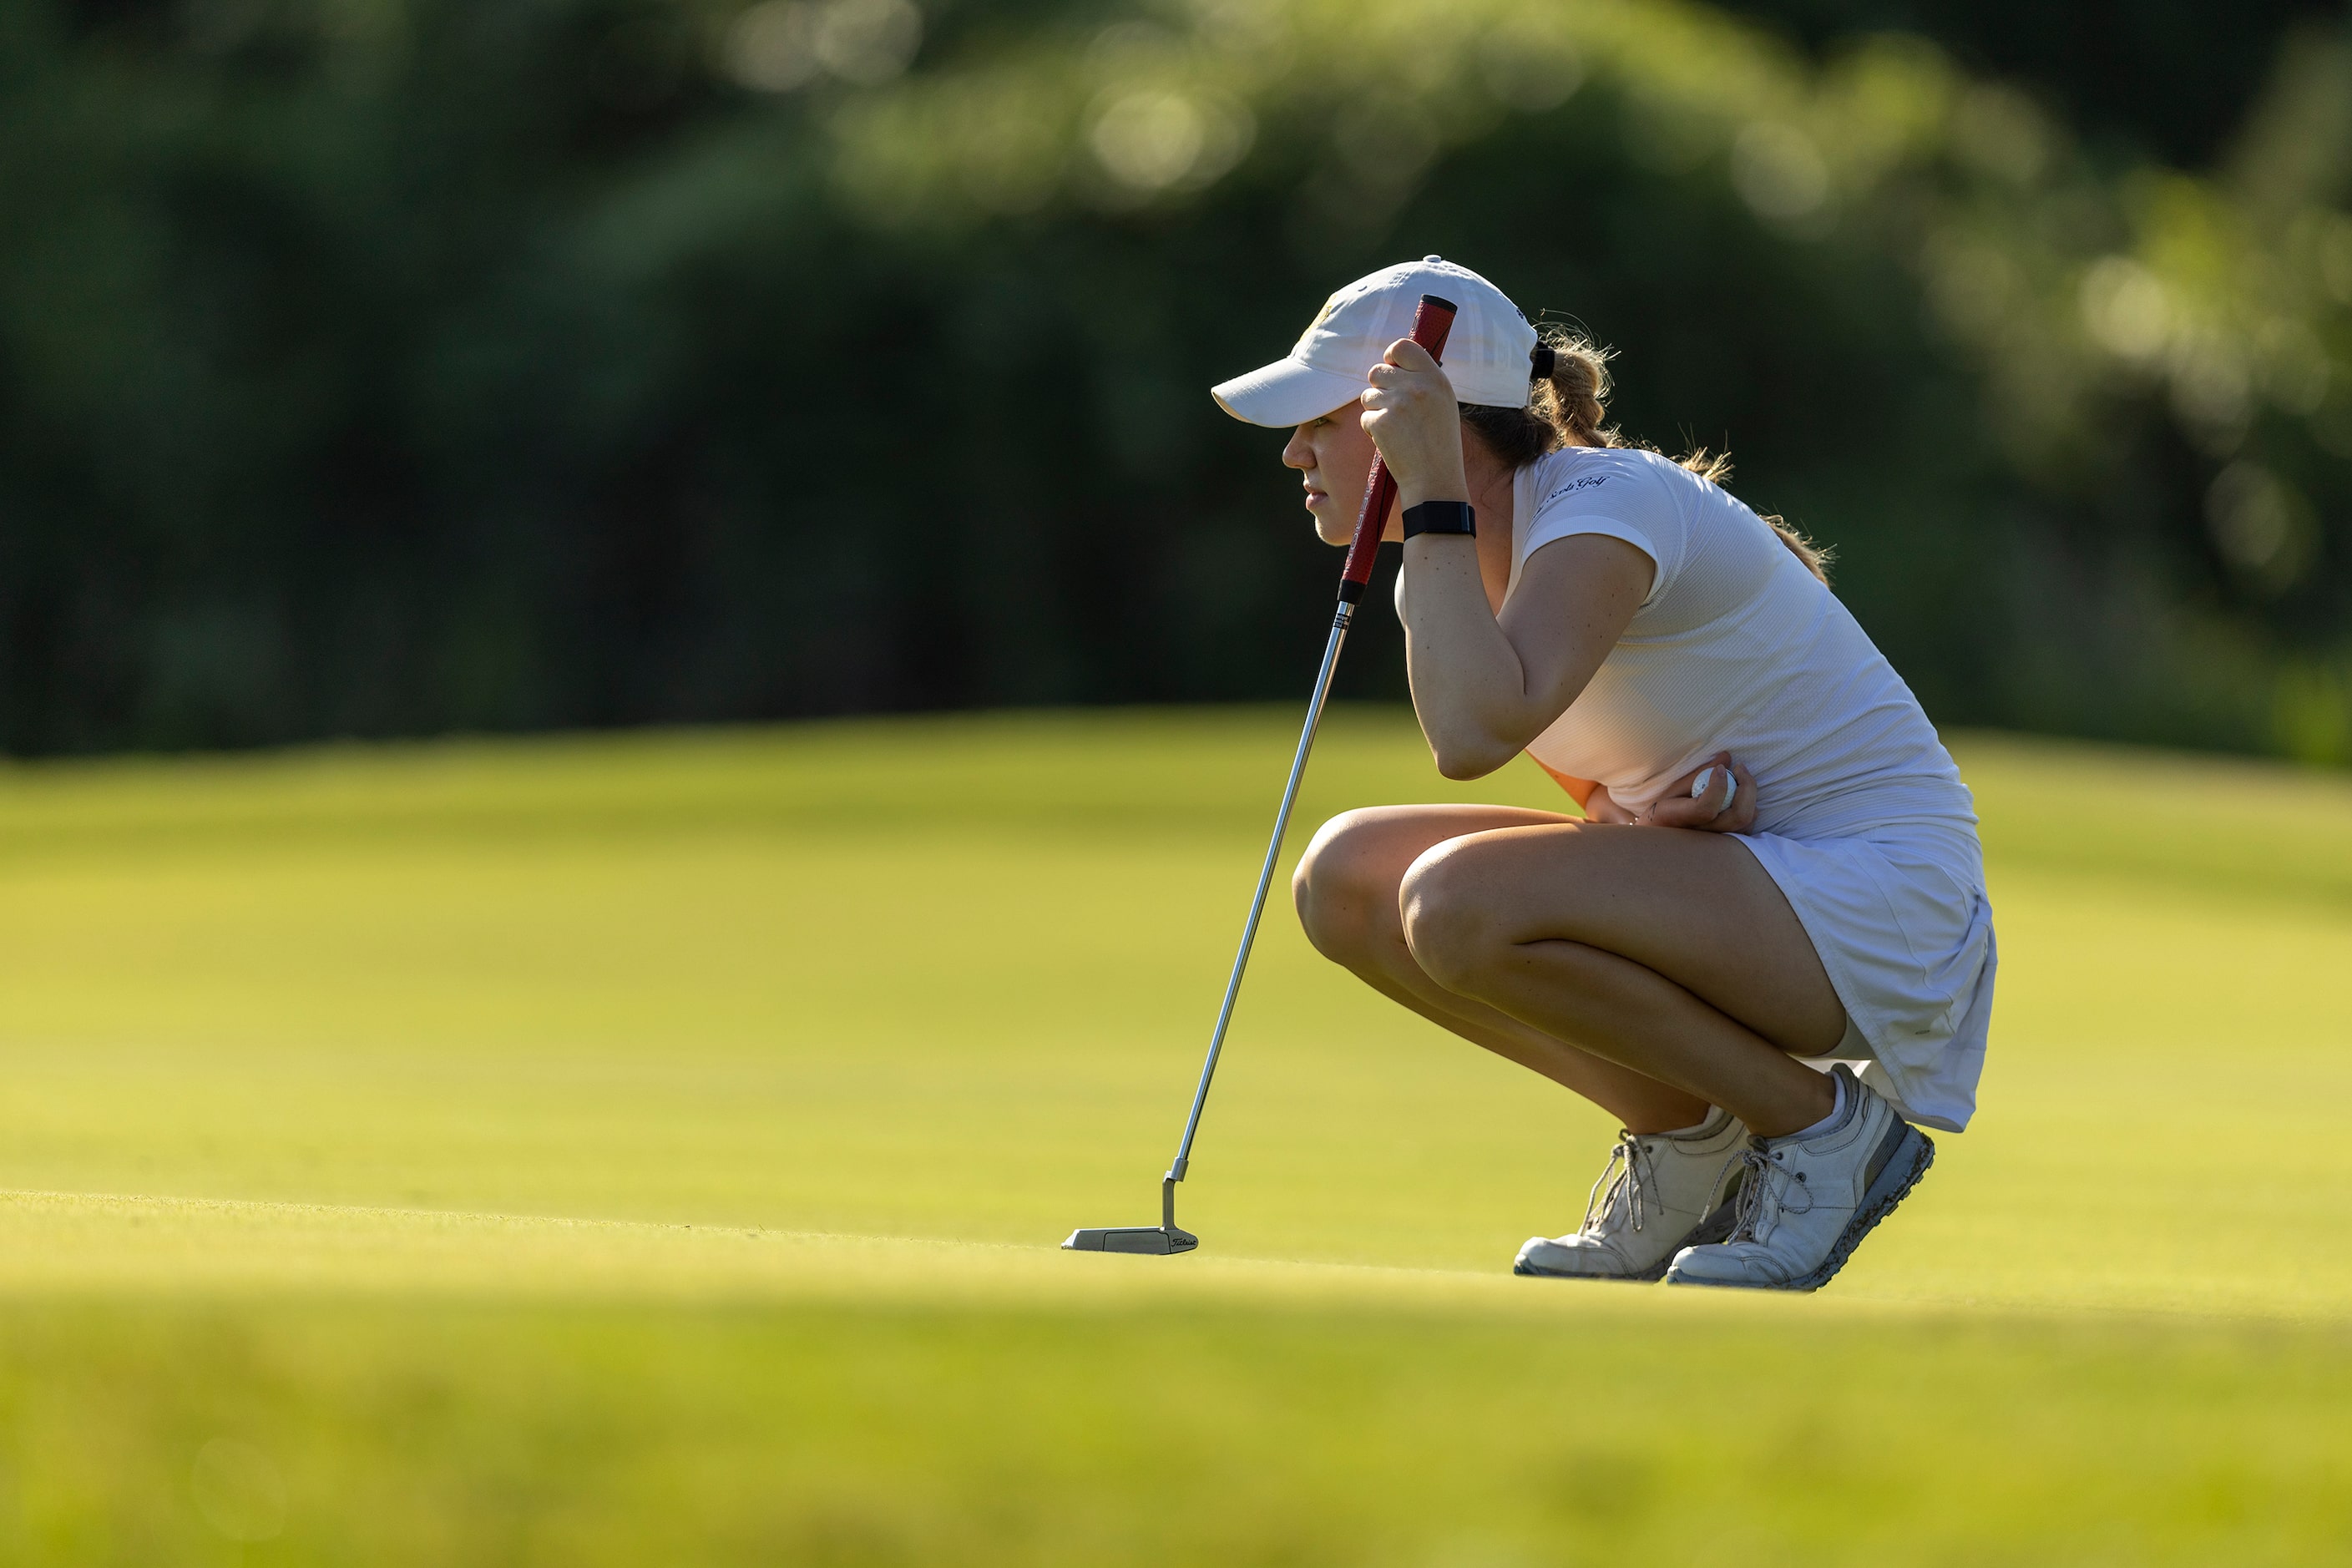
[1567, 410]
[1572, 399]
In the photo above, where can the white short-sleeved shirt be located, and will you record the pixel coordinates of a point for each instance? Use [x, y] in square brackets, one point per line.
[1735, 647]
[1861, 817]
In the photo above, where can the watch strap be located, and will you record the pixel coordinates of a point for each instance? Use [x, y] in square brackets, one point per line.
[1440, 517]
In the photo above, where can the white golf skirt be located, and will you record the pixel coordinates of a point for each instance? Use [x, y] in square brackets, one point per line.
[1902, 924]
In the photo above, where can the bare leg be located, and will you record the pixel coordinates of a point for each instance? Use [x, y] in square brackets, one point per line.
[1668, 958]
[1667, 950]
[1346, 889]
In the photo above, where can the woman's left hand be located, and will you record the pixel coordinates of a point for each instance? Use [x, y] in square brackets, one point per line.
[1411, 417]
[1711, 811]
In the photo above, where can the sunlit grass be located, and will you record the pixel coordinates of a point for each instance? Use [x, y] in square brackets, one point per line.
[652, 1148]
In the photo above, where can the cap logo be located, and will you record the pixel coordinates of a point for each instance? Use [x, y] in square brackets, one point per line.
[1321, 316]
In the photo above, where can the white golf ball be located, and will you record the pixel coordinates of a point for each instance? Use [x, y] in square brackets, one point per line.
[1719, 784]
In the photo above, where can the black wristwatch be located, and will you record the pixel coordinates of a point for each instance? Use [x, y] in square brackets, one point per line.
[1440, 517]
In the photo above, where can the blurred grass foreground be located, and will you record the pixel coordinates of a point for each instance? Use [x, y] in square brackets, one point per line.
[383, 368]
[652, 1149]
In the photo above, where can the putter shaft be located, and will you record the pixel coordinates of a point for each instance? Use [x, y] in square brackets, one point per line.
[1432, 321]
[1340, 621]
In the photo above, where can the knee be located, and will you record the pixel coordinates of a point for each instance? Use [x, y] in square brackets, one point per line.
[1449, 920]
[1338, 889]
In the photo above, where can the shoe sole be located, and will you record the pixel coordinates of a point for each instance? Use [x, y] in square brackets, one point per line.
[1914, 1153]
[1715, 1228]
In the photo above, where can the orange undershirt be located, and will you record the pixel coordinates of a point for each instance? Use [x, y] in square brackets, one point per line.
[1579, 790]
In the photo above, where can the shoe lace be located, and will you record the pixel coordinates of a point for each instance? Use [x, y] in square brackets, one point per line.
[1768, 1190]
[1630, 1166]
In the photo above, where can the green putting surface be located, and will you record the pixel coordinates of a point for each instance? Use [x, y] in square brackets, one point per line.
[653, 1149]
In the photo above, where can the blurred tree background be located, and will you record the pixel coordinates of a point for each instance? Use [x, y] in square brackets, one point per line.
[374, 367]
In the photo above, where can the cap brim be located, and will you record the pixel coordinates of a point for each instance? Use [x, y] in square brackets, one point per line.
[1286, 392]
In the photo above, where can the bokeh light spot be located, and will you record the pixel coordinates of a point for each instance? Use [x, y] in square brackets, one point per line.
[1528, 73]
[779, 46]
[2261, 525]
[771, 46]
[1997, 130]
[1779, 171]
[867, 41]
[2125, 309]
[1150, 139]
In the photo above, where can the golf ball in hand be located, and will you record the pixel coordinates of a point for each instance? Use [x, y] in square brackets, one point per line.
[1717, 784]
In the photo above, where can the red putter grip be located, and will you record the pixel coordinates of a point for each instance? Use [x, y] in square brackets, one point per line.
[1432, 318]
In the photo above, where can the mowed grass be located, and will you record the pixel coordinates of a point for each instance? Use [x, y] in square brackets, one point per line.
[652, 1148]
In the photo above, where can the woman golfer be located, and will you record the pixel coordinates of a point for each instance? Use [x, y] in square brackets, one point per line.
[1777, 862]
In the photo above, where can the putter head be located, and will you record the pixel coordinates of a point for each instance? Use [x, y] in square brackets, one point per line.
[1154, 1240]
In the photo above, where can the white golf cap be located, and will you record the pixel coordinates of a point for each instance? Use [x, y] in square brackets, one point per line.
[1486, 355]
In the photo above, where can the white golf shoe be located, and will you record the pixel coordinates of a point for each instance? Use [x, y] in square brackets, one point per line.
[1660, 1192]
[1806, 1201]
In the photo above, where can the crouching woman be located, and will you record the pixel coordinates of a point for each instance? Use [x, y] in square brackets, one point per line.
[1776, 868]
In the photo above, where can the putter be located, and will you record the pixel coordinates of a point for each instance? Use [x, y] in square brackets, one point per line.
[1431, 322]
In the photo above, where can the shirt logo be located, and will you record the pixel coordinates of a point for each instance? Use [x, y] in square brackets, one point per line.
[1586, 483]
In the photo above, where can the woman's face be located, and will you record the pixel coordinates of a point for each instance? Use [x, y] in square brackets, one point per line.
[1334, 456]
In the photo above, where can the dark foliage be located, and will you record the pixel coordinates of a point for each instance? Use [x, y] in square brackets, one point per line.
[506, 368]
